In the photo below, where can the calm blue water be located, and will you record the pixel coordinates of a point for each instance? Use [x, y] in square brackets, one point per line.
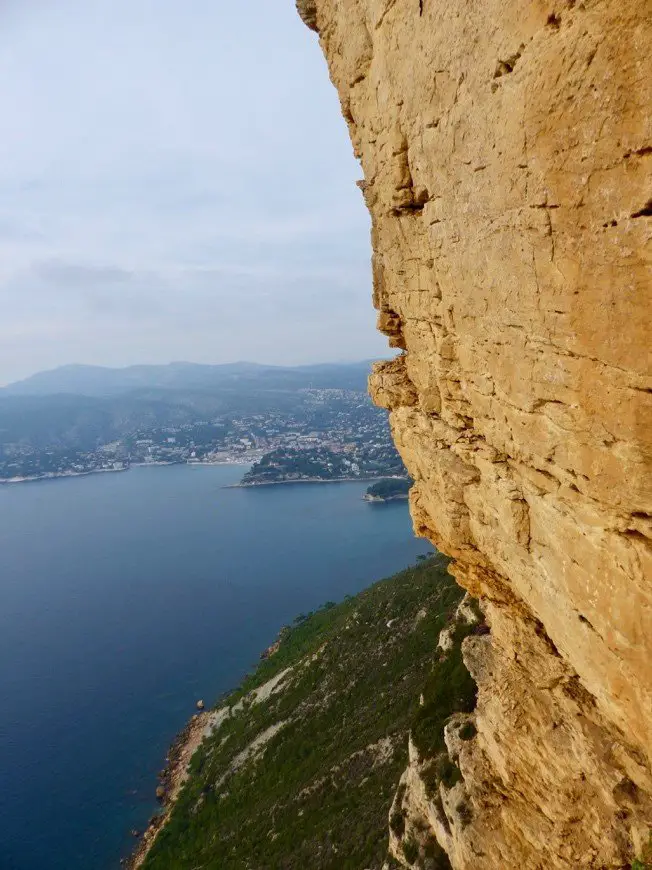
[126, 597]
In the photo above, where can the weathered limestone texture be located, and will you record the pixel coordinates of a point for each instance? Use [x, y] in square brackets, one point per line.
[507, 152]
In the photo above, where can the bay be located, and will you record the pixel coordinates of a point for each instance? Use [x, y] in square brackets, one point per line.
[126, 597]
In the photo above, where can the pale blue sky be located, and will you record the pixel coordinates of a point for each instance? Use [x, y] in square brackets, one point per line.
[176, 182]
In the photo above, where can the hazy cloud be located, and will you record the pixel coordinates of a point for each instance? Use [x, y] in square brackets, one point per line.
[58, 273]
[175, 182]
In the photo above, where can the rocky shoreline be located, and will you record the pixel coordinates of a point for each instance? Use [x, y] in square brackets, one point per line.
[175, 773]
[56, 475]
[380, 499]
[170, 782]
[249, 485]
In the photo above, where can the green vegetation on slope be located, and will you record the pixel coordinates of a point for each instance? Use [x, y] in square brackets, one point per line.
[389, 488]
[288, 464]
[644, 861]
[317, 794]
[449, 689]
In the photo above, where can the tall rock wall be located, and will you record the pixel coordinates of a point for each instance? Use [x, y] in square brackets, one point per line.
[507, 152]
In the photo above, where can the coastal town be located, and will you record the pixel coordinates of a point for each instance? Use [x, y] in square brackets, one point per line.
[330, 434]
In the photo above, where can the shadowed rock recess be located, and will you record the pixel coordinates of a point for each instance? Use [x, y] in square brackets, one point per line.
[506, 149]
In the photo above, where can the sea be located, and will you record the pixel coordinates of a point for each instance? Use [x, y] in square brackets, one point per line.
[127, 597]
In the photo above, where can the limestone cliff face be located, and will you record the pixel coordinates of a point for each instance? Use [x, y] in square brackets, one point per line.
[507, 153]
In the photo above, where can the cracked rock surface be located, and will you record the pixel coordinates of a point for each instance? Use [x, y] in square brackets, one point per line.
[507, 153]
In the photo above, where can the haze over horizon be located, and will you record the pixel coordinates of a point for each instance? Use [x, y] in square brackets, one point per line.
[161, 199]
[387, 354]
[65, 367]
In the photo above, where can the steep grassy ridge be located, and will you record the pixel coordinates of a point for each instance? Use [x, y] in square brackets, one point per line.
[305, 778]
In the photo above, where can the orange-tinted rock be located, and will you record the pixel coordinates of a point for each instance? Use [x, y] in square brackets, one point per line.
[506, 149]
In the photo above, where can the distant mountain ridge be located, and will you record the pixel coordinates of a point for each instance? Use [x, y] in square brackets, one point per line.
[82, 407]
[100, 381]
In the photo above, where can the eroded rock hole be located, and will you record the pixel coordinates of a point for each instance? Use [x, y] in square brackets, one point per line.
[646, 211]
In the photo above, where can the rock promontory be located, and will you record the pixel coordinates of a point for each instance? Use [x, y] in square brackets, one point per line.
[507, 152]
